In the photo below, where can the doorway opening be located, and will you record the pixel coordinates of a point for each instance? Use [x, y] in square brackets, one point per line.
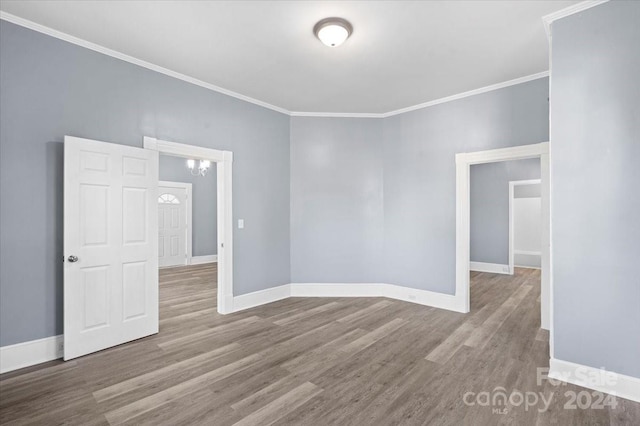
[525, 224]
[175, 222]
[220, 164]
[464, 161]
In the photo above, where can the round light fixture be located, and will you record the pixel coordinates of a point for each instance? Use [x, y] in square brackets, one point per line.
[333, 31]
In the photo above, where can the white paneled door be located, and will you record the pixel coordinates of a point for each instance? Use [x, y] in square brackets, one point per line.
[173, 219]
[110, 245]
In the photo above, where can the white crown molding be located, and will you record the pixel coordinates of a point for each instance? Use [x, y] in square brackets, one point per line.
[567, 11]
[118, 55]
[338, 114]
[485, 89]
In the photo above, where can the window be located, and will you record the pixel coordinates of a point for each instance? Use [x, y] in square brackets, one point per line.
[168, 199]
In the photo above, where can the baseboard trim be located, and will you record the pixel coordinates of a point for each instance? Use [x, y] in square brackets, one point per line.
[391, 291]
[26, 354]
[494, 268]
[528, 253]
[261, 297]
[200, 260]
[38, 351]
[448, 302]
[336, 290]
[622, 386]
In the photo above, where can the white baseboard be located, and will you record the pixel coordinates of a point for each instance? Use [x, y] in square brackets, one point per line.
[407, 294]
[424, 297]
[26, 354]
[528, 253]
[37, 351]
[336, 290]
[199, 260]
[622, 386]
[527, 259]
[261, 297]
[494, 268]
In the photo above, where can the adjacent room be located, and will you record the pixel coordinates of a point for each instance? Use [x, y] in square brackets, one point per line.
[319, 212]
[187, 238]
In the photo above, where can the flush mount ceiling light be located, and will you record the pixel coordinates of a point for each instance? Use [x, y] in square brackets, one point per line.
[333, 31]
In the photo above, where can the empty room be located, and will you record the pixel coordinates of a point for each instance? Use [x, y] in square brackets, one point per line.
[319, 212]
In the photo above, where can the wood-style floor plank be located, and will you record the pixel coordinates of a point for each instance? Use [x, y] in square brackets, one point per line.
[308, 361]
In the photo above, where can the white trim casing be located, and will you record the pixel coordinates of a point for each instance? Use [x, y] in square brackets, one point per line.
[26, 354]
[201, 260]
[598, 379]
[224, 168]
[139, 62]
[494, 268]
[463, 212]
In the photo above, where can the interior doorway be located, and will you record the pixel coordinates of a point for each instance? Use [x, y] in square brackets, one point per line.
[525, 224]
[175, 218]
[224, 214]
[463, 165]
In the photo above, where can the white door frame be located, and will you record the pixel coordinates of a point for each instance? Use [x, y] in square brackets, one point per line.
[189, 238]
[512, 187]
[463, 218]
[224, 163]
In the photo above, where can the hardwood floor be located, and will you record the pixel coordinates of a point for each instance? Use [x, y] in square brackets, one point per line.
[311, 361]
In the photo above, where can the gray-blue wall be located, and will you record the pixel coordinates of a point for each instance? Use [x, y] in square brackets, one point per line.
[336, 200]
[489, 195]
[373, 200]
[420, 178]
[50, 88]
[204, 203]
[595, 158]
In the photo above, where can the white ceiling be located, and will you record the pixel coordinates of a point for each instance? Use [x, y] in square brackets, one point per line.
[401, 53]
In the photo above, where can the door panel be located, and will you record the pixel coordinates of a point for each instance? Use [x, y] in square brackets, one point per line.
[110, 222]
[134, 206]
[96, 296]
[173, 225]
[94, 214]
[134, 290]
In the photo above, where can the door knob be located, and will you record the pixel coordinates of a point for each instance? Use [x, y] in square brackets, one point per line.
[72, 259]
